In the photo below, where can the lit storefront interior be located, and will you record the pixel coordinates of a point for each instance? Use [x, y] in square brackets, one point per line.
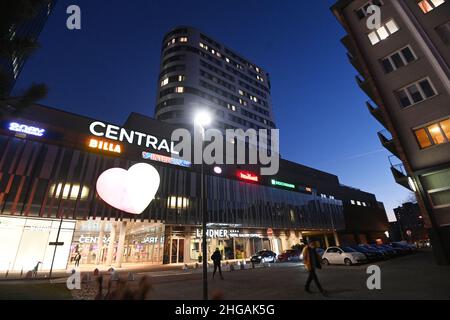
[103, 242]
[26, 241]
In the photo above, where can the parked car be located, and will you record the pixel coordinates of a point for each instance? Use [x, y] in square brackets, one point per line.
[264, 256]
[396, 251]
[390, 252]
[381, 251]
[289, 255]
[371, 255]
[403, 245]
[343, 255]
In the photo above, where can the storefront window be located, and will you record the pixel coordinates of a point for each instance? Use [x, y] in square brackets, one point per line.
[25, 242]
[143, 242]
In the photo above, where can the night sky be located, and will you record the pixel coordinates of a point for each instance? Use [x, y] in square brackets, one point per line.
[110, 67]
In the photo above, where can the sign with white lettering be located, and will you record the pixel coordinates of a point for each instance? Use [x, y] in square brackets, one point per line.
[225, 233]
[109, 131]
[23, 128]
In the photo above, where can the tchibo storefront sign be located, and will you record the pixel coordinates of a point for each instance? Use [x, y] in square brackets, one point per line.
[109, 131]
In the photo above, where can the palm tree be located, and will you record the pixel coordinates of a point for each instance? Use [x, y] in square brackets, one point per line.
[12, 14]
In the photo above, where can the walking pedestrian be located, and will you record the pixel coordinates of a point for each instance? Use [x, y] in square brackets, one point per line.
[312, 261]
[77, 259]
[217, 258]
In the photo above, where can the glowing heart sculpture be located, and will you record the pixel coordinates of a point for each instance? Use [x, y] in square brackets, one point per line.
[130, 191]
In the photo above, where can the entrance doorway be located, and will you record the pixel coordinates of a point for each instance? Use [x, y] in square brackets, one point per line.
[177, 250]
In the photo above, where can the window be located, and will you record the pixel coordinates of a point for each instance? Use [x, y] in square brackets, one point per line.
[183, 39]
[179, 89]
[352, 202]
[383, 32]
[437, 133]
[171, 79]
[164, 82]
[415, 93]
[429, 5]
[361, 13]
[231, 107]
[398, 59]
[422, 138]
[358, 203]
[444, 32]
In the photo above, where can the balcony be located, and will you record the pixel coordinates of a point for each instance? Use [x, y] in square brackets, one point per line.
[388, 142]
[400, 176]
[376, 113]
[355, 63]
[346, 41]
[366, 87]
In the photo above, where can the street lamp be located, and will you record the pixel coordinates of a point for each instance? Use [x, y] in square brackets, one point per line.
[203, 119]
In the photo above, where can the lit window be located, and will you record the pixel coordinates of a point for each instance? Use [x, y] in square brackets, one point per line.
[364, 204]
[257, 69]
[164, 82]
[415, 93]
[352, 202]
[383, 32]
[241, 92]
[429, 5]
[183, 39]
[201, 45]
[445, 125]
[358, 203]
[434, 134]
[227, 60]
[392, 26]
[422, 138]
[179, 89]
[181, 78]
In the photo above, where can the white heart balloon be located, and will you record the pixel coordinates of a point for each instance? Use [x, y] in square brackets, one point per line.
[129, 190]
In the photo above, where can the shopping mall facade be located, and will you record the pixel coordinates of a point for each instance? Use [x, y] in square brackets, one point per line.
[50, 162]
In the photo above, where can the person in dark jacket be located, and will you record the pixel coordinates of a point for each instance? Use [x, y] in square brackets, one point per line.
[312, 261]
[216, 258]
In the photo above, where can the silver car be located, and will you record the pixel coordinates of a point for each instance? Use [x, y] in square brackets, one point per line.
[343, 255]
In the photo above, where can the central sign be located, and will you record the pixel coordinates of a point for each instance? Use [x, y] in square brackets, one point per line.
[109, 131]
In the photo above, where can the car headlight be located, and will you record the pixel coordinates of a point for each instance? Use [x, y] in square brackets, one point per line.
[259, 257]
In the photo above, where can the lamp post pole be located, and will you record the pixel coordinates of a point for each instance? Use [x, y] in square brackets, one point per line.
[204, 220]
[202, 119]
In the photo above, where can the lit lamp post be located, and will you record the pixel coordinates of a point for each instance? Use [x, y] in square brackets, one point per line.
[203, 119]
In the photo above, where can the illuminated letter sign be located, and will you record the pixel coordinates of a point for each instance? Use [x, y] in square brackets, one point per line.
[164, 159]
[22, 128]
[245, 175]
[109, 131]
[104, 145]
[282, 184]
[129, 190]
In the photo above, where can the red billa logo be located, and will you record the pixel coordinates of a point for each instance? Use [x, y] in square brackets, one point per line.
[104, 145]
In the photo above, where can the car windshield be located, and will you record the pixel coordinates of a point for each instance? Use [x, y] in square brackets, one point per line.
[348, 249]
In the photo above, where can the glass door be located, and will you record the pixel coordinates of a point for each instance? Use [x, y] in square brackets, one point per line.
[177, 250]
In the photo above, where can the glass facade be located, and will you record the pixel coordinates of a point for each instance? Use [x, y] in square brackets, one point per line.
[42, 180]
